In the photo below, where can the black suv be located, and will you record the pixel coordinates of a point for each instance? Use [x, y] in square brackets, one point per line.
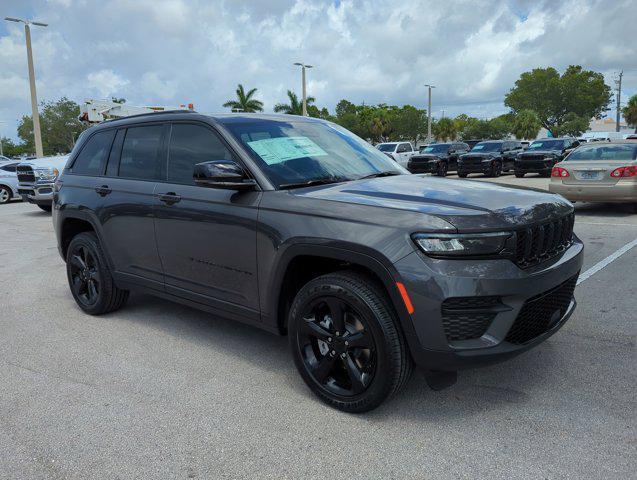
[543, 154]
[297, 226]
[437, 158]
[490, 158]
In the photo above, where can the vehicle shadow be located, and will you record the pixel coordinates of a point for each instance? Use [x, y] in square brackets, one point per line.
[476, 390]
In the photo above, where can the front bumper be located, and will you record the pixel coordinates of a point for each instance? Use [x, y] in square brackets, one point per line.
[535, 166]
[619, 192]
[40, 193]
[429, 282]
[429, 166]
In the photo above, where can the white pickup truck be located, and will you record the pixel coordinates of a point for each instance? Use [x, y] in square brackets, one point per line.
[36, 179]
[401, 152]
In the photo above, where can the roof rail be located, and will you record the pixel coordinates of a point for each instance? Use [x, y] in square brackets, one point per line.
[157, 112]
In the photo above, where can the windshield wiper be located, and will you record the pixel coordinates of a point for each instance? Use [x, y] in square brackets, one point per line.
[316, 181]
[389, 173]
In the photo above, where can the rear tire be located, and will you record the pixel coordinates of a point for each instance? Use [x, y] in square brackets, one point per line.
[90, 278]
[496, 169]
[46, 208]
[519, 174]
[346, 342]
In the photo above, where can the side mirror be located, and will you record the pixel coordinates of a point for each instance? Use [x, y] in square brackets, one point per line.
[222, 174]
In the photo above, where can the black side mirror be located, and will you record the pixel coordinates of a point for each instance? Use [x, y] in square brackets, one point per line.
[222, 174]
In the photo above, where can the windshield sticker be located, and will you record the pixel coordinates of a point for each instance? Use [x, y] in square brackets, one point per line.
[478, 147]
[282, 149]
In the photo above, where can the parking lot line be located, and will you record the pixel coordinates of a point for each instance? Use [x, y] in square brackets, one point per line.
[605, 262]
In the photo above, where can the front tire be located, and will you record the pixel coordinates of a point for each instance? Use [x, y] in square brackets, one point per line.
[346, 343]
[89, 276]
[5, 194]
[441, 170]
[496, 169]
[519, 174]
[462, 175]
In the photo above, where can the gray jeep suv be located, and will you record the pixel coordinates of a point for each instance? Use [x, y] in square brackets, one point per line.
[297, 226]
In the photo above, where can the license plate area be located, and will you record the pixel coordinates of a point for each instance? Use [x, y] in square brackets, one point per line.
[588, 175]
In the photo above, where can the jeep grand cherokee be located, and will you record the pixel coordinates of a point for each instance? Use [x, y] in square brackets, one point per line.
[297, 226]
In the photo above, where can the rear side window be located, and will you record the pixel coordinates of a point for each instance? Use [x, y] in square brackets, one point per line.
[9, 168]
[92, 158]
[140, 153]
[189, 145]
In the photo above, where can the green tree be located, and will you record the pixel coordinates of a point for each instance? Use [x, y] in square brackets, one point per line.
[630, 112]
[12, 149]
[244, 101]
[526, 125]
[445, 129]
[295, 107]
[573, 125]
[577, 92]
[409, 123]
[59, 125]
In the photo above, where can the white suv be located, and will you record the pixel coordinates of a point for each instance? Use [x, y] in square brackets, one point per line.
[401, 152]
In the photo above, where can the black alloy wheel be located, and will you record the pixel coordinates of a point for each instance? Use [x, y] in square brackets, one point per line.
[85, 278]
[496, 169]
[337, 348]
[89, 276]
[346, 342]
[442, 169]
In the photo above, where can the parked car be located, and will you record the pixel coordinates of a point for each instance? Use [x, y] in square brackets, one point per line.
[8, 181]
[490, 158]
[36, 179]
[438, 158]
[542, 155]
[401, 152]
[297, 226]
[4, 159]
[598, 172]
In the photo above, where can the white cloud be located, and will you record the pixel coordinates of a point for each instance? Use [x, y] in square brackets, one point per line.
[174, 51]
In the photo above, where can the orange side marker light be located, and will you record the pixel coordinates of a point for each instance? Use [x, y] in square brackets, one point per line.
[406, 299]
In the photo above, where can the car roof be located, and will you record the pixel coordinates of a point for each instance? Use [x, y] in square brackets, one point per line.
[553, 138]
[496, 141]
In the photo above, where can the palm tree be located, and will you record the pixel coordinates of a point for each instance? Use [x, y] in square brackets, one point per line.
[244, 101]
[630, 112]
[445, 129]
[295, 107]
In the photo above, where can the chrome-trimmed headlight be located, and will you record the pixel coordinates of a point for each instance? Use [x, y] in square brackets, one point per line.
[461, 244]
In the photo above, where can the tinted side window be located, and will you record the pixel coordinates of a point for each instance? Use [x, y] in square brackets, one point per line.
[140, 153]
[92, 159]
[9, 168]
[189, 145]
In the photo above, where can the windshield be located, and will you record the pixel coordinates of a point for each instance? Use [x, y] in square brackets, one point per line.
[387, 147]
[437, 148]
[547, 145]
[487, 147]
[291, 152]
[604, 152]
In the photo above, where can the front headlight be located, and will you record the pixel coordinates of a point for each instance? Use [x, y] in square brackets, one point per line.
[456, 245]
[47, 173]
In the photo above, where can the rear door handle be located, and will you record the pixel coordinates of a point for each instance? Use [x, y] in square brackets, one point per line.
[169, 198]
[103, 190]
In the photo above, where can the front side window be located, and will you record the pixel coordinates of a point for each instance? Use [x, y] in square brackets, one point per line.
[387, 147]
[92, 158]
[190, 145]
[294, 151]
[140, 153]
[11, 167]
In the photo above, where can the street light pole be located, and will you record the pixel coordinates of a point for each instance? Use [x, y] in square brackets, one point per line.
[34, 98]
[429, 114]
[303, 87]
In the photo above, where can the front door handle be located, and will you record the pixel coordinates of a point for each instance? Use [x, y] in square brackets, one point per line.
[169, 198]
[103, 190]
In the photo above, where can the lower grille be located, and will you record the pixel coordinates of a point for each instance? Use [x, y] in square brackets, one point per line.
[466, 318]
[541, 242]
[539, 314]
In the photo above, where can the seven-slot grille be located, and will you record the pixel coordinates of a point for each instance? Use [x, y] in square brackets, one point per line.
[25, 173]
[540, 313]
[532, 157]
[541, 242]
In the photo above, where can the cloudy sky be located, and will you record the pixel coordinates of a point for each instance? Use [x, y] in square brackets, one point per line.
[182, 51]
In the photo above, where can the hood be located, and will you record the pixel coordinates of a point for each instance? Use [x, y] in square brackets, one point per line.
[428, 156]
[479, 154]
[467, 205]
[58, 162]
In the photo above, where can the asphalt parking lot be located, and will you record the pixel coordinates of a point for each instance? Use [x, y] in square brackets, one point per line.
[158, 390]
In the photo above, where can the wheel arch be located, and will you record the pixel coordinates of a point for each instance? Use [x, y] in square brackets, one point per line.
[286, 281]
[73, 222]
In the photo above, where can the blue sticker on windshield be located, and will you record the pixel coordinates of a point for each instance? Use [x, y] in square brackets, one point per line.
[282, 149]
